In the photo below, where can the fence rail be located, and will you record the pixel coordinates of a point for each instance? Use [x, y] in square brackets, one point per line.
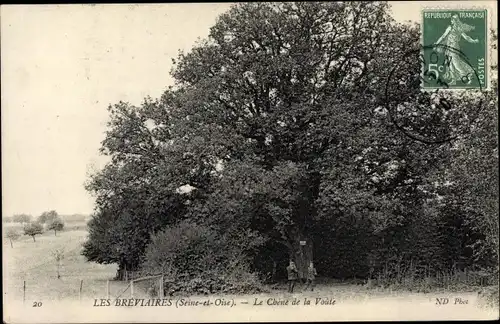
[127, 275]
[113, 289]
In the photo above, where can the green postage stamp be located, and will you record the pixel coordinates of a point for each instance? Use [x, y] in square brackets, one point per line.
[454, 48]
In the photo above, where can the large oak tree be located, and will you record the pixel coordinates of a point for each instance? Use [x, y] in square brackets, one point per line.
[291, 122]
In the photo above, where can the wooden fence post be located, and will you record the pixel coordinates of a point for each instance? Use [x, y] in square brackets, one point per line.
[107, 289]
[80, 291]
[131, 288]
[162, 294]
[24, 291]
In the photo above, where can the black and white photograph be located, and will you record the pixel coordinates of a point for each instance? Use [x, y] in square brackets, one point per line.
[250, 162]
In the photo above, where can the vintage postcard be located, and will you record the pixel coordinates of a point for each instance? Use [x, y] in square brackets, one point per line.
[250, 162]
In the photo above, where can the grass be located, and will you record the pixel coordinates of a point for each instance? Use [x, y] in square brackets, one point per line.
[32, 263]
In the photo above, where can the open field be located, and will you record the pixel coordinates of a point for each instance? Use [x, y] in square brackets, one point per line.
[33, 263]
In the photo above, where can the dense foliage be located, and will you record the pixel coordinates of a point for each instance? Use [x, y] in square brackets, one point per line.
[284, 127]
[195, 258]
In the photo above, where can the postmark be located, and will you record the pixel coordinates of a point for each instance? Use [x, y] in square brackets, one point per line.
[454, 49]
[453, 65]
[434, 115]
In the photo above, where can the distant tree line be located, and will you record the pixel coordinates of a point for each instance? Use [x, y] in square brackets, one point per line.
[50, 220]
[280, 125]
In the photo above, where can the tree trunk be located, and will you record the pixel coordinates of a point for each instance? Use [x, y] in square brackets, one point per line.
[12, 246]
[55, 233]
[33, 238]
[301, 254]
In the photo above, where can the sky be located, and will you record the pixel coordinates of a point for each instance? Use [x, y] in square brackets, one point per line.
[62, 65]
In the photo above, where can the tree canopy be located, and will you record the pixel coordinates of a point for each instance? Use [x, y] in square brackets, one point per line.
[48, 217]
[33, 229]
[22, 218]
[12, 234]
[55, 225]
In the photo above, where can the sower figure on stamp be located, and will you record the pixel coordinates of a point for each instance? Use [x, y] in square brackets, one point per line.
[457, 68]
[293, 275]
[311, 275]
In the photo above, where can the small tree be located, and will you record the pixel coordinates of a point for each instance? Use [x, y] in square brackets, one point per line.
[21, 218]
[33, 229]
[56, 225]
[48, 217]
[12, 235]
[58, 255]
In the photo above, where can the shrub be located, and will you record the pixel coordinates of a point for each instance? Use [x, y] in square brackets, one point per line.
[58, 255]
[12, 235]
[196, 259]
[33, 229]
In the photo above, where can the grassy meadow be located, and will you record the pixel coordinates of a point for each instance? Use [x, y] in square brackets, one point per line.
[32, 263]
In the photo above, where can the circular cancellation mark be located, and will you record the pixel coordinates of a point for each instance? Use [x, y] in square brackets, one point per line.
[428, 104]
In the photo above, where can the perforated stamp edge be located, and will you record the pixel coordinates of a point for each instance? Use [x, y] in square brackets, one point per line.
[489, 51]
